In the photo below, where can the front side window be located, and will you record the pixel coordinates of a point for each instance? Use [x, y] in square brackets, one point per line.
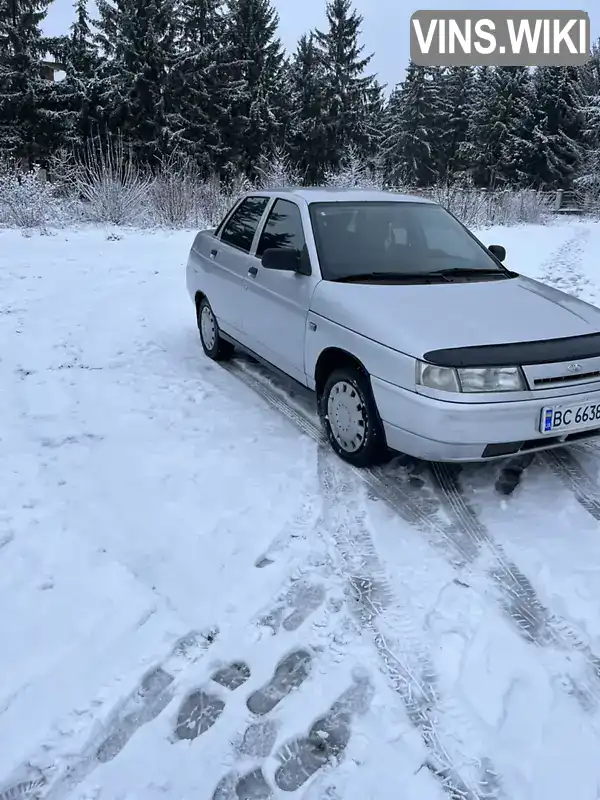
[394, 238]
[241, 227]
[283, 229]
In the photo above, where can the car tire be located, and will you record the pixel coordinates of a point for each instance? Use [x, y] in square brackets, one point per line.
[350, 418]
[212, 342]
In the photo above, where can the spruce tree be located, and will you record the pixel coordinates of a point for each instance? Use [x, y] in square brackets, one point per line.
[452, 123]
[256, 82]
[199, 88]
[308, 140]
[410, 129]
[519, 150]
[500, 146]
[137, 37]
[81, 86]
[590, 88]
[561, 126]
[375, 118]
[32, 119]
[589, 171]
[348, 91]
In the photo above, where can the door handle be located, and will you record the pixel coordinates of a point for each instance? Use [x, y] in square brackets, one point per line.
[213, 253]
[253, 272]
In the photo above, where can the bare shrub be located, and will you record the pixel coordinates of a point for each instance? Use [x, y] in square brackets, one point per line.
[175, 193]
[113, 187]
[479, 208]
[517, 206]
[276, 171]
[354, 173]
[462, 200]
[105, 184]
[588, 182]
[216, 197]
[26, 199]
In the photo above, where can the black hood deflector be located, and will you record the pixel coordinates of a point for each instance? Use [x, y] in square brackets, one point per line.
[518, 354]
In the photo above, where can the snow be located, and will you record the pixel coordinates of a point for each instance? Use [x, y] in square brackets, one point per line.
[160, 521]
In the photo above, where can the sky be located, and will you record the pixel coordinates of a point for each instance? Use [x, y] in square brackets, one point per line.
[385, 23]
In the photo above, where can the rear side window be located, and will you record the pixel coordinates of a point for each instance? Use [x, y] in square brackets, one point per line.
[283, 229]
[241, 226]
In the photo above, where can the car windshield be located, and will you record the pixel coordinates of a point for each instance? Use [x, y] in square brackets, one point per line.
[393, 238]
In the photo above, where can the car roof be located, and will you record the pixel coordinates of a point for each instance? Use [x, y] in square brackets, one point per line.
[333, 195]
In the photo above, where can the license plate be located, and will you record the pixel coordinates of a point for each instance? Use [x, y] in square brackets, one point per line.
[568, 419]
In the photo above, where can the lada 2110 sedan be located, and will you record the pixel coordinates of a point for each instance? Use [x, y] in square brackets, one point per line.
[411, 333]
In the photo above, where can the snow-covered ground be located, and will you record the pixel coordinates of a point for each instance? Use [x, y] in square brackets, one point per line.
[199, 600]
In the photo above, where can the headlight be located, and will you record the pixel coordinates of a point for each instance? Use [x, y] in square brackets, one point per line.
[444, 378]
[491, 379]
[469, 379]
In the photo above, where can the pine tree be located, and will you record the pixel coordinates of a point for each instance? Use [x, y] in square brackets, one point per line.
[410, 134]
[561, 126]
[348, 91]
[137, 37]
[256, 79]
[308, 140]
[32, 120]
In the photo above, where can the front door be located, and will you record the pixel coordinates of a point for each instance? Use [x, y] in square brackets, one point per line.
[276, 303]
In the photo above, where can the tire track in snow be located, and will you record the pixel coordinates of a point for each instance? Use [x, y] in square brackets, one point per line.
[523, 607]
[27, 790]
[566, 467]
[399, 644]
[463, 541]
[563, 271]
[529, 617]
[403, 657]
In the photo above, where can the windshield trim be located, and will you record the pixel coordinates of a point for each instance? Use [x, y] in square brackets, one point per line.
[326, 276]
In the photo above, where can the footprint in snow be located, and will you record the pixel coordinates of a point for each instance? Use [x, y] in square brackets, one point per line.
[301, 758]
[202, 708]
[290, 673]
[300, 601]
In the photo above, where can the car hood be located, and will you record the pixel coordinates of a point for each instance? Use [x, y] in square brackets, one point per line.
[415, 319]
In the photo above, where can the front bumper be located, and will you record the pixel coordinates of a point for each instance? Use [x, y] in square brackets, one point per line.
[436, 430]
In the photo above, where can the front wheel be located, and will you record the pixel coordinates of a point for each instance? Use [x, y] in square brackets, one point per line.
[212, 342]
[350, 418]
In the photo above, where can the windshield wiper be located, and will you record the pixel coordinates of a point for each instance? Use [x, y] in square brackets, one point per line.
[434, 275]
[382, 276]
[467, 271]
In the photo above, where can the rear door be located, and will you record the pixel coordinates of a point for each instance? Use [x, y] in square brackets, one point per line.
[275, 304]
[228, 260]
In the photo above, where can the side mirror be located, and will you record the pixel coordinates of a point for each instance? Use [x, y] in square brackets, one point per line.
[286, 259]
[498, 250]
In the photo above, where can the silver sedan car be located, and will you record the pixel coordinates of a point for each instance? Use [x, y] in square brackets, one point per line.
[413, 336]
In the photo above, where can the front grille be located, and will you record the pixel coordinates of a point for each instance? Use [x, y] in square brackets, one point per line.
[561, 380]
[565, 375]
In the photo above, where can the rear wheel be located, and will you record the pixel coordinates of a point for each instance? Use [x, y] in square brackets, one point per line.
[350, 418]
[212, 342]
